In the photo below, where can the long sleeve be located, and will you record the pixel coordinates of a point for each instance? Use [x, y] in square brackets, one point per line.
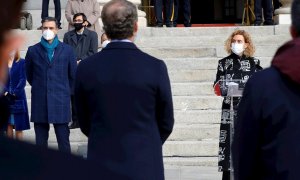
[81, 105]
[68, 13]
[94, 17]
[72, 70]
[22, 80]
[247, 130]
[220, 72]
[164, 108]
[93, 46]
[29, 66]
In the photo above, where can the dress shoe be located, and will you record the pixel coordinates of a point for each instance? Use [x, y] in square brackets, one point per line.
[73, 125]
[268, 23]
[40, 28]
[169, 25]
[257, 24]
[159, 25]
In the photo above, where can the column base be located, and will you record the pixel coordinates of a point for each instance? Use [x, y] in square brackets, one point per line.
[283, 19]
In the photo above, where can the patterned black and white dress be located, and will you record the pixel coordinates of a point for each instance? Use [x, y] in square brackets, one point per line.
[231, 68]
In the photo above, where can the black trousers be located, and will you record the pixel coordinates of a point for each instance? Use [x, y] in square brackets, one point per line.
[62, 133]
[226, 175]
[168, 6]
[45, 8]
[74, 115]
[186, 8]
[267, 7]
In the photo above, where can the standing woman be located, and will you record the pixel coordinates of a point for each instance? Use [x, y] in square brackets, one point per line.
[90, 8]
[240, 64]
[15, 93]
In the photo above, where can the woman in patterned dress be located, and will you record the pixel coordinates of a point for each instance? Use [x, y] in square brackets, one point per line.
[239, 65]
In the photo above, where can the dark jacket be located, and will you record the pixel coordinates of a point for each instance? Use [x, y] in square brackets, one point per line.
[52, 83]
[20, 160]
[87, 44]
[267, 132]
[15, 86]
[124, 105]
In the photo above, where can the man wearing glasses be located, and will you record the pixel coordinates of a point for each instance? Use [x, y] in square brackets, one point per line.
[85, 44]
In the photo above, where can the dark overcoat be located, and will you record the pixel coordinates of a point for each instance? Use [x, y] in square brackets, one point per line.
[124, 102]
[15, 85]
[51, 82]
[86, 46]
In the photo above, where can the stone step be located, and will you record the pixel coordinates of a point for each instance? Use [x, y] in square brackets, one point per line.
[194, 132]
[192, 161]
[184, 103]
[208, 41]
[181, 132]
[197, 116]
[205, 148]
[192, 89]
[191, 148]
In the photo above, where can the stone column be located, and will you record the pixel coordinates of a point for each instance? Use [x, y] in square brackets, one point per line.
[141, 14]
[283, 14]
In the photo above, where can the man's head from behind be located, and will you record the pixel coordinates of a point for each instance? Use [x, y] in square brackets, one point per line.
[295, 13]
[119, 19]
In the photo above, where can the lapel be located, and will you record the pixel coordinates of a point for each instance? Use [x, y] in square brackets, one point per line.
[57, 52]
[42, 52]
[74, 37]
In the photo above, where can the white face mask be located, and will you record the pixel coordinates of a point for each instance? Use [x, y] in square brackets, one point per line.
[48, 34]
[237, 49]
[104, 44]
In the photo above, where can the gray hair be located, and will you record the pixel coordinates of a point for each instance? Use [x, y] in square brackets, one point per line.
[295, 13]
[119, 17]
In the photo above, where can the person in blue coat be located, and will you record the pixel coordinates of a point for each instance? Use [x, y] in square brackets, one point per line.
[15, 93]
[267, 131]
[50, 69]
[124, 102]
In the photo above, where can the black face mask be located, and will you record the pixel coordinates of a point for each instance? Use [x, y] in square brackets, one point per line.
[78, 26]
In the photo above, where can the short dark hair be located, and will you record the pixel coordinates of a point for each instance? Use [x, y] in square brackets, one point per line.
[295, 14]
[50, 19]
[119, 17]
[80, 14]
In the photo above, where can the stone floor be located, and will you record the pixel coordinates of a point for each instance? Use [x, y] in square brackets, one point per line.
[192, 173]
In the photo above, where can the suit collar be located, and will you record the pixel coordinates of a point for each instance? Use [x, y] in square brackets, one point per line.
[120, 45]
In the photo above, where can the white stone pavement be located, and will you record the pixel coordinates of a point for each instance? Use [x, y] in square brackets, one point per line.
[192, 173]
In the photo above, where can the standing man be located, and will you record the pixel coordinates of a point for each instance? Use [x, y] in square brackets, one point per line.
[50, 70]
[267, 131]
[45, 11]
[186, 8]
[267, 7]
[85, 44]
[124, 101]
[166, 6]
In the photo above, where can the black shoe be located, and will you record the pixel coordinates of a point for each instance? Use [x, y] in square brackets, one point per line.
[268, 23]
[159, 25]
[257, 24]
[187, 25]
[169, 25]
[74, 125]
[40, 28]
[59, 27]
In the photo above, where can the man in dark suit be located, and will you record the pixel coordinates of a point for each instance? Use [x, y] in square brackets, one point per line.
[166, 6]
[267, 131]
[50, 70]
[186, 9]
[124, 101]
[85, 44]
[263, 9]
